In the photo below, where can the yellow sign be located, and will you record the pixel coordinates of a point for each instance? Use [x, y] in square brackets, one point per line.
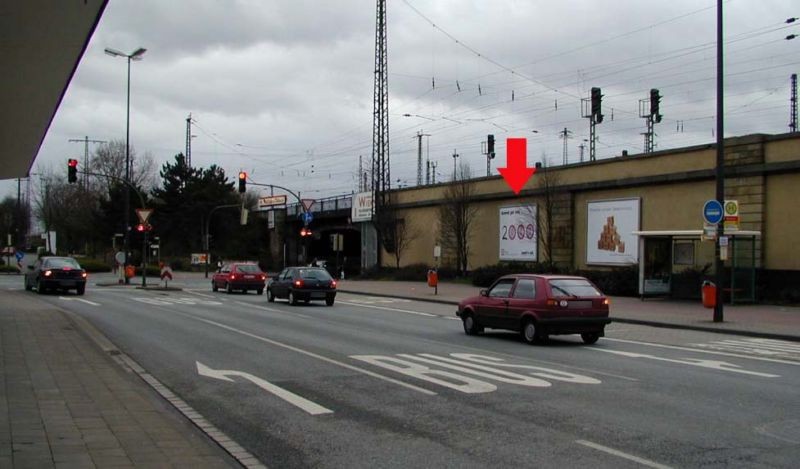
[731, 215]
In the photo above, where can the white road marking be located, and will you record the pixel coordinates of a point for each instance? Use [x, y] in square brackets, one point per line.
[712, 352]
[79, 299]
[630, 457]
[197, 292]
[378, 299]
[309, 406]
[388, 309]
[447, 379]
[713, 364]
[169, 301]
[762, 347]
[310, 354]
[272, 310]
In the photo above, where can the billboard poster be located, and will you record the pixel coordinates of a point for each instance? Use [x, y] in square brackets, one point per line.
[610, 238]
[361, 209]
[518, 233]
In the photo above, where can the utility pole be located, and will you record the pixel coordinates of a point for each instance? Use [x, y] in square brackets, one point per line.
[649, 109]
[434, 164]
[455, 156]
[86, 143]
[719, 265]
[581, 149]
[565, 135]
[381, 175]
[793, 104]
[591, 109]
[419, 155]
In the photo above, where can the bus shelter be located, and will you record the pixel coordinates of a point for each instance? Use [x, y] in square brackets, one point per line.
[675, 263]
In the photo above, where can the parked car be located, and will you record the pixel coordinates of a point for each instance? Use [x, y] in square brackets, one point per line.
[51, 272]
[538, 306]
[302, 284]
[242, 276]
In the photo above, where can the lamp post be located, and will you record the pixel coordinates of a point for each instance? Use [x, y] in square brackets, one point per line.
[135, 55]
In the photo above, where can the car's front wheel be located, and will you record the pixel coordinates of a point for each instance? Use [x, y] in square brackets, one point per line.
[530, 332]
[228, 288]
[292, 298]
[260, 291]
[40, 287]
[270, 295]
[590, 337]
[471, 326]
[28, 286]
[214, 286]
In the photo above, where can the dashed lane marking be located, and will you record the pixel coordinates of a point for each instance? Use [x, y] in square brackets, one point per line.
[618, 453]
[698, 350]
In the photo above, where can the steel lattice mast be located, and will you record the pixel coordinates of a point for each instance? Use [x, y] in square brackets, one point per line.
[381, 181]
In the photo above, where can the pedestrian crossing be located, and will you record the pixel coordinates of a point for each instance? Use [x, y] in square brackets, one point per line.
[760, 347]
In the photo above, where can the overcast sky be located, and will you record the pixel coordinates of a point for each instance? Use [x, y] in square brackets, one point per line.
[283, 89]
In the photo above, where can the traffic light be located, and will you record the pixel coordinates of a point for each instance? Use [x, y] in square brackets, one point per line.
[490, 146]
[242, 182]
[72, 170]
[597, 100]
[142, 227]
[655, 100]
[305, 231]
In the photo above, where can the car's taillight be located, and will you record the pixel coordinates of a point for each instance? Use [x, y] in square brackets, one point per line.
[298, 283]
[333, 283]
[48, 273]
[84, 274]
[263, 277]
[606, 301]
[233, 276]
[552, 302]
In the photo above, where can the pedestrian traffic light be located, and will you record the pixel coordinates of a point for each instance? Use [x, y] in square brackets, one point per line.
[655, 101]
[72, 170]
[242, 182]
[490, 146]
[597, 101]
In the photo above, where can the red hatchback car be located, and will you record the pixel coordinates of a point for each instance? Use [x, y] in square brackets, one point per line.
[239, 276]
[538, 306]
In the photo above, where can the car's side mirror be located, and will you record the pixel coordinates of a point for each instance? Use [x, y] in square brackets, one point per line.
[484, 292]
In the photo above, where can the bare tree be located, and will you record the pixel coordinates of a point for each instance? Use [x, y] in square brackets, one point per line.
[549, 182]
[457, 215]
[109, 159]
[66, 209]
[404, 234]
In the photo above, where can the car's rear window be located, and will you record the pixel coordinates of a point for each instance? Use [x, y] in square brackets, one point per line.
[573, 287]
[315, 274]
[60, 263]
[249, 268]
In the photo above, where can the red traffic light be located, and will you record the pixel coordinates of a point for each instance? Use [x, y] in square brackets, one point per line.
[242, 181]
[305, 231]
[72, 163]
[142, 227]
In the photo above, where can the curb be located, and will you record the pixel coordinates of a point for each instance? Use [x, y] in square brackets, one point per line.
[641, 322]
[128, 364]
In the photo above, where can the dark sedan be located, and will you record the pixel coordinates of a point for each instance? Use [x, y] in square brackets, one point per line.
[61, 273]
[302, 284]
[538, 306]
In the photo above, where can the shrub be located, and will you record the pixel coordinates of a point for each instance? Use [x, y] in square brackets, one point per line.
[485, 276]
[9, 269]
[619, 281]
[94, 265]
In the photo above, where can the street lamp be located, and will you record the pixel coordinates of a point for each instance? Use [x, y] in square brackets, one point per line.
[136, 55]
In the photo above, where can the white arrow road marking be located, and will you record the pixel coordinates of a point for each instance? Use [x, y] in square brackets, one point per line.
[630, 457]
[79, 299]
[290, 397]
[712, 352]
[713, 364]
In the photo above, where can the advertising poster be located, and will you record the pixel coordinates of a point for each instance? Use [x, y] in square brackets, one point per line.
[610, 227]
[361, 210]
[518, 233]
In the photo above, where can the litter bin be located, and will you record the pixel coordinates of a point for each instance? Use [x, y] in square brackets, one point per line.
[433, 278]
[709, 294]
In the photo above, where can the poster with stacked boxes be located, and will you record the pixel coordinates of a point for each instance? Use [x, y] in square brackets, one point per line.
[610, 237]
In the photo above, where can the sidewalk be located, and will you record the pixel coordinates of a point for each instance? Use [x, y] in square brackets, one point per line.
[766, 321]
[66, 403]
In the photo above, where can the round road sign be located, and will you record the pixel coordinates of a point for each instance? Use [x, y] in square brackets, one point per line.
[712, 212]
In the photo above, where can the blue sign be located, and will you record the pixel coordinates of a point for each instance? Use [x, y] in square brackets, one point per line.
[712, 212]
[307, 217]
[19, 255]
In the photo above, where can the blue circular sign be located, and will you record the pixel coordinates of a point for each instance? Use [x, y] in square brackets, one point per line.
[712, 212]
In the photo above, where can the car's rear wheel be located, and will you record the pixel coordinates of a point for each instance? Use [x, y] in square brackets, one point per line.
[270, 295]
[530, 332]
[590, 337]
[214, 286]
[292, 298]
[260, 291]
[28, 286]
[329, 301]
[471, 326]
[228, 288]
[40, 287]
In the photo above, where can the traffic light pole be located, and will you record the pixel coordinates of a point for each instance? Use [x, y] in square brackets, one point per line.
[207, 228]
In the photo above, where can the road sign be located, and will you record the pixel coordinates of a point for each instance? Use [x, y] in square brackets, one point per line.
[731, 217]
[119, 257]
[19, 255]
[143, 214]
[272, 200]
[166, 273]
[307, 203]
[307, 217]
[712, 212]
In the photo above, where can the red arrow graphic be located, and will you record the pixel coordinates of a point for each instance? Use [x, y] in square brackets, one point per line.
[516, 173]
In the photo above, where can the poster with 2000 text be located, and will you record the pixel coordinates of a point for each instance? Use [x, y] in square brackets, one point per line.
[518, 233]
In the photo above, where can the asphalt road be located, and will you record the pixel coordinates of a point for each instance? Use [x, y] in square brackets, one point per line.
[378, 382]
